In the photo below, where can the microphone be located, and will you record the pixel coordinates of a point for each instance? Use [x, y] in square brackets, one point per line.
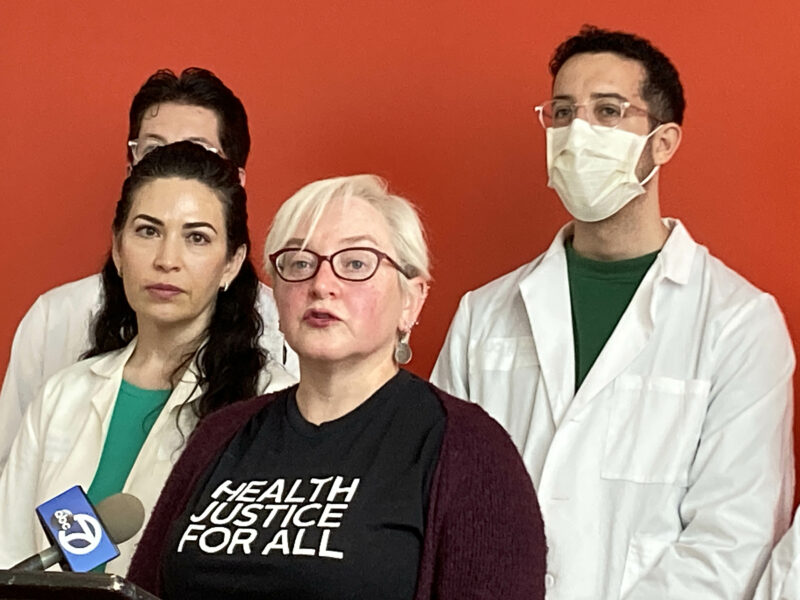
[84, 537]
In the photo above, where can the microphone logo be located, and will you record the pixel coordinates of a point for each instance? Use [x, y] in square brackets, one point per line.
[72, 524]
[82, 534]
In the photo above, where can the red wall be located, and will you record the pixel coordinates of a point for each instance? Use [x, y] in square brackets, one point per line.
[435, 96]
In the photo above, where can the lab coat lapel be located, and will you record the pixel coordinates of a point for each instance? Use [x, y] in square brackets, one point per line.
[110, 368]
[186, 389]
[626, 342]
[109, 371]
[545, 293]
[636, 325]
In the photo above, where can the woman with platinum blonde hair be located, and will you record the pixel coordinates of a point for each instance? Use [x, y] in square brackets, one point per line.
[405, 229]
[362, 481]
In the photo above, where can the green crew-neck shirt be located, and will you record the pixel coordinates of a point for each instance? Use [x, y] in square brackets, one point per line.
[599, 292]
[135, 412]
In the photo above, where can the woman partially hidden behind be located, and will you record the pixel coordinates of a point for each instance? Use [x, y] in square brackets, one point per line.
[175, 340]
[363, 481]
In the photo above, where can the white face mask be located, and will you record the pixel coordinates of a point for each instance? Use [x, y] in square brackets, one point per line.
[593, 168]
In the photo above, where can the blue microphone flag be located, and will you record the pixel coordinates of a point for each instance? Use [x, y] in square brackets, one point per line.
[72, 524]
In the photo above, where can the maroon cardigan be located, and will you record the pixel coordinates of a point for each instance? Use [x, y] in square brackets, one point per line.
[484, 536]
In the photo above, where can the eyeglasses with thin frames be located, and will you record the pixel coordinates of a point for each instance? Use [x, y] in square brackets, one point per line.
[607, 111]
[140, 149]
[349, 264]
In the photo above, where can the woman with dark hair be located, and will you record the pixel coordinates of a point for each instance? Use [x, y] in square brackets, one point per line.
[175, 340]
[363, 481]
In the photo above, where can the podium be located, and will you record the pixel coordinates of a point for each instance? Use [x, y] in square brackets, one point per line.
[26, 585]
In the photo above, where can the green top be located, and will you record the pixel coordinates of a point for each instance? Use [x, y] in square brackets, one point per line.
[135, 412]
[599, 292]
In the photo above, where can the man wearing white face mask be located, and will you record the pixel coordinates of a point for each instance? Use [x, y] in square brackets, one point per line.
[647, 386]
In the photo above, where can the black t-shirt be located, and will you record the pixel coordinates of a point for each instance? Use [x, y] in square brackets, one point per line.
[292, 510]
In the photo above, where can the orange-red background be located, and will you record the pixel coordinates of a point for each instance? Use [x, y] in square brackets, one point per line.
[436, 96]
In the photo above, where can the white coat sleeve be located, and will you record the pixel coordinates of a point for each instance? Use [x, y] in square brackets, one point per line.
[741, 482]
[451, 371]
[24, 375]
[18, 488]
[272, 339]
[781, 579]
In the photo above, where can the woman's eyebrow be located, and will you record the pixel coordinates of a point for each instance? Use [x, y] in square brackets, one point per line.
[196, 224]
[150, 219]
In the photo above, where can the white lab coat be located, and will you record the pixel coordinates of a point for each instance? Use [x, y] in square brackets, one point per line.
[669, 474]
[781, 578]
[55, 332]
[61, 439]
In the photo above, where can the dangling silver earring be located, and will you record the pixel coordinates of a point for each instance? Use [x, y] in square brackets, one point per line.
[224, 288]
[402, 351]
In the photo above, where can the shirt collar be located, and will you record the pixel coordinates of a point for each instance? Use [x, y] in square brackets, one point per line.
[678, 252]
[675, 258]
[111, 364]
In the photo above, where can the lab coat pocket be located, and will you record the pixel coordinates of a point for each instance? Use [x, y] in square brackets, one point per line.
[644, 551]
[57, 447]
[505, 354]
[654, 428]
[506, 378]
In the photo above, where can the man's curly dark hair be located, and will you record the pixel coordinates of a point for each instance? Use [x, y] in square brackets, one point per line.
[661, 88]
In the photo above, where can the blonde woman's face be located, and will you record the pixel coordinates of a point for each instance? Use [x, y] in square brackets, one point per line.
[329, 319]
